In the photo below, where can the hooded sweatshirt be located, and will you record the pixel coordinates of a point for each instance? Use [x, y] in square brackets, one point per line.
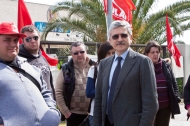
[22, 104]
[40, 62]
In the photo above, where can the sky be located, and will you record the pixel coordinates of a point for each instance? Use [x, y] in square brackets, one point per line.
[49, 2]
[161, 4]
[53, 2]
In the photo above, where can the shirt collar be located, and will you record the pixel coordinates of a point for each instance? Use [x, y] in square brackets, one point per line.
[122, 55]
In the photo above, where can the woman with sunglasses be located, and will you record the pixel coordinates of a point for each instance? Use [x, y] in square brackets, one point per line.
[105, 50]
[167, 87]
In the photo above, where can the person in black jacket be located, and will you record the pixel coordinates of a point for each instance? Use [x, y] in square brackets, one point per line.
[30, 49]
[71, 85]
[167, 87]
[187, 96]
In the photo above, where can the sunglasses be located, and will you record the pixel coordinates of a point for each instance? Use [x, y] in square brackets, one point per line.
[81, 52]
[116, 36]
[29, 39]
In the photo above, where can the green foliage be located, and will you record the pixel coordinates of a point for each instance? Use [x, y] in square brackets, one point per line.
[151, 26]
[59, 64]
[180, 85]
[89, 19]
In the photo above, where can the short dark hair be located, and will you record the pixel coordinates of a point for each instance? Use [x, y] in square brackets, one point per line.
[75, 44]
[151, 44]
[103, 50]
[29, 28]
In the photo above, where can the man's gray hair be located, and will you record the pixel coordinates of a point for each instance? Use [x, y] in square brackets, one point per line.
[120, 23]
[75, 44]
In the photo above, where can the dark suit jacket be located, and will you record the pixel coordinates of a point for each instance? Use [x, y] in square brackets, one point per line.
[135, 97]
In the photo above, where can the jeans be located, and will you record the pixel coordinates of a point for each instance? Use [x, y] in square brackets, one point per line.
[90, 120]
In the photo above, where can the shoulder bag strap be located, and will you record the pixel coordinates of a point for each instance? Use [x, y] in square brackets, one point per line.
[31, 78]
[23, 72]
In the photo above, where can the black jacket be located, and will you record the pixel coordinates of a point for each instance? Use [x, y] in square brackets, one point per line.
[187, 93]
[69, 77]
[41, 63]
[172, 88]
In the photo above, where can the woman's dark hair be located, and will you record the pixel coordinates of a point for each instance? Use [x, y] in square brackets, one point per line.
[151, 44]
[103, 50]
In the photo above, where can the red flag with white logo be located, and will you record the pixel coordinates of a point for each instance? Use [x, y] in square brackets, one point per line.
[171, 45]
[25, 19]
[122, 10]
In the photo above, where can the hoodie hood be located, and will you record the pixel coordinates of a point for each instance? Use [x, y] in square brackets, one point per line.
[16, 62]
[25, 53]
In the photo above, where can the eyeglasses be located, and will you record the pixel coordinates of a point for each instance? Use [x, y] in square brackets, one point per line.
[29, 39]
[81, 52]
[116, 36]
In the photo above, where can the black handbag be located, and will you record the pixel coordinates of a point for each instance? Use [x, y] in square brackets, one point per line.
[85, 122]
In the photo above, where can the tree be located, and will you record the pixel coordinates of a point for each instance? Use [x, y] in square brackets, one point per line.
[87, 18]
[148, 26]
[91, 20]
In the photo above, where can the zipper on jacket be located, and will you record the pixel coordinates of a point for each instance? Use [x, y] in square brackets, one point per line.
[20, 77]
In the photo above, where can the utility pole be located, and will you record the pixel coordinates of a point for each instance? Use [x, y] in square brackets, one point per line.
[109, 15]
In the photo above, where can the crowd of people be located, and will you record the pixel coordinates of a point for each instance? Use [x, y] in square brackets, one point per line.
[122, 88]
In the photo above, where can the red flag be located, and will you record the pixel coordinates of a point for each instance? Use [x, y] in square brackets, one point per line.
[131, 4]
[23, 16]
[122, 10]
[51, 61]
[25, 19]
[106, 6]
[171, 45]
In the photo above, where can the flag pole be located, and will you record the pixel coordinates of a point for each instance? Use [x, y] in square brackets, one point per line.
[109, 15]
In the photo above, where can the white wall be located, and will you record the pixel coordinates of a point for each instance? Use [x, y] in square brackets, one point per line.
[185, 52]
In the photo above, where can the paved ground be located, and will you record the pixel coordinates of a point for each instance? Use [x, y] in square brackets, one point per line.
[181, 119]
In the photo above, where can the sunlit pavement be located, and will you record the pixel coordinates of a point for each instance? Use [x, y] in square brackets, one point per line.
[181, 119]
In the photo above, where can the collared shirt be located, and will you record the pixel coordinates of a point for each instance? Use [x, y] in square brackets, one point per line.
[114, 64]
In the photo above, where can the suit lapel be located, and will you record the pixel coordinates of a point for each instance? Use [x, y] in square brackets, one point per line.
[106, 74]
[127, 66]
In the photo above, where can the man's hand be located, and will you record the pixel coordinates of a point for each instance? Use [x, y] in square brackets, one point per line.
[67, 115]
[1, 125]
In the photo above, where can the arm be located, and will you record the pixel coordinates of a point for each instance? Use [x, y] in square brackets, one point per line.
[53, 113]
[59, 95]
[47, 95]
[90, 86]
[174, 83]
[187, 94]
[148, 93]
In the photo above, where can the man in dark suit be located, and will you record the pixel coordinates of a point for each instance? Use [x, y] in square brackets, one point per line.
[126, 87]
